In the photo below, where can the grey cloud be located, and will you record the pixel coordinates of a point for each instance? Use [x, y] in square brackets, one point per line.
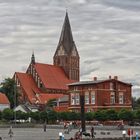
[126, 4]
[106, 33]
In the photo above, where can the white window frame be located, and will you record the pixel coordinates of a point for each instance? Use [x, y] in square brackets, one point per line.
[72, 99]
[112, 98]
[86, 97]
[77, 99]
[121, 98]
[92, 97]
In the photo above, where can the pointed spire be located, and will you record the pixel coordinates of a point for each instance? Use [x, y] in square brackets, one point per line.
[66, 38]
[33, 58]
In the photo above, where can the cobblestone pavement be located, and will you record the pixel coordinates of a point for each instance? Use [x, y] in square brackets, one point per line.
[50, 134]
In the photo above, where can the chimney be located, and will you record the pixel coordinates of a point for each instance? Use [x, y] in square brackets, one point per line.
[109, 76]
[95, 78]
[116, 77]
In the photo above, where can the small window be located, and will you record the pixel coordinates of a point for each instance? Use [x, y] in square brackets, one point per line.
[121, 98]
[72, 99]
[93, 97]
[77, 98]
[86, 97]
[112, 98]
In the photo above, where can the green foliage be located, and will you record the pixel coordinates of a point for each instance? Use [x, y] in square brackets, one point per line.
[8, 87]
[125, 115]
[73, 116]
[63, 115]
[21, 115]
[52, 116]
[35, 116]
[89, 116]
[0, 115]
[137, 114]
[44, 115]
[112, 114]
[100, 115]
[8, 114]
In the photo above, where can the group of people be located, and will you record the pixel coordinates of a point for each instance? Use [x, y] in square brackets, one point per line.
[78, 135]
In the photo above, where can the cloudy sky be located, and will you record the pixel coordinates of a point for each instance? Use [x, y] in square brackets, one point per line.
[106, 32]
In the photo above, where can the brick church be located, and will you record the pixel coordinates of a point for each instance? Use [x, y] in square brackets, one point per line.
[42, 82]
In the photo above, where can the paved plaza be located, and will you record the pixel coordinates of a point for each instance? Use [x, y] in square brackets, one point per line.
[51, 134]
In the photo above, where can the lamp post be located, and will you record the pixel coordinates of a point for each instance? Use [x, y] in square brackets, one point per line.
[15, 100]
[82, 103]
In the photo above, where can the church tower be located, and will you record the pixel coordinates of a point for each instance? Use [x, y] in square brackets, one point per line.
[66, 54]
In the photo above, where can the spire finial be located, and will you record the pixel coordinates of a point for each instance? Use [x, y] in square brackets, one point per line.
[33, 58]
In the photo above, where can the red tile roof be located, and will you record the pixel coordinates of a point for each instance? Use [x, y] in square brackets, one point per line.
[45, 97]
[28, 85]
[31, 90]
[53, 77]
[4, 99]
[61, 109]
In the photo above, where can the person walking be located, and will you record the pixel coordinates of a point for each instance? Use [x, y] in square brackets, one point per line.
[10, 133]
[92, 132]
[45, 126]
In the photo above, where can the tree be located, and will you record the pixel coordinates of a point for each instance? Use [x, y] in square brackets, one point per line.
[44, 116]
[62, 115]
[89, 116]
[125, 115]
[100, 115]
[21, 115]
[52, 116]
[35, 116]
[73, 116]
[137, 114]
[8, 87]
[8, 114]
[112, 114]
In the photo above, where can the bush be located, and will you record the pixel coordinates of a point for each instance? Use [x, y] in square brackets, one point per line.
[8, 114]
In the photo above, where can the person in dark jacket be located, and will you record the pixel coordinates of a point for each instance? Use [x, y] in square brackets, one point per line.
[92, 132]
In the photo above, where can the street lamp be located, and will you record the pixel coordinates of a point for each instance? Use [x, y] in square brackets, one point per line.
[82, 103]
[15, 102]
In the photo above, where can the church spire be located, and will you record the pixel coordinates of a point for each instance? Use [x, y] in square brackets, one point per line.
[33, 58]
[66, 55]
[66, 37]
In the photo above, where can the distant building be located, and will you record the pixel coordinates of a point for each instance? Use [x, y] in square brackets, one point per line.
[42, 82]
[4, 102]
[26, 108]
[100, 94]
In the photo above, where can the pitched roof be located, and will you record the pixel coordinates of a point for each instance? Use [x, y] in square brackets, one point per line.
[44, 98]
[61, 108]
[3, 99]
[53, 77]
[66, 38]
[95, 82]
[34, 94]
[28, 85]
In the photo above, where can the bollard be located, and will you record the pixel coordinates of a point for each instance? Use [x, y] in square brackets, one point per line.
[60, 136]
[137, 136]
[124, 134]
